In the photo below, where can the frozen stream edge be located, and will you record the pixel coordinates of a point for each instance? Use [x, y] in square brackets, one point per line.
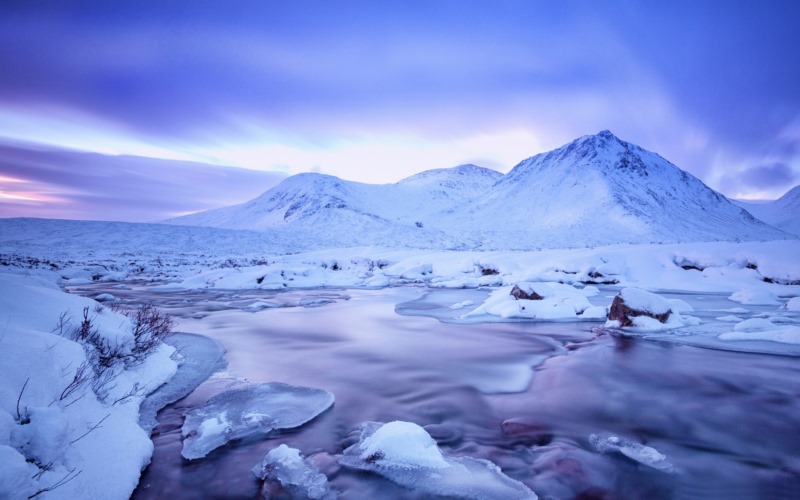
[202, 357]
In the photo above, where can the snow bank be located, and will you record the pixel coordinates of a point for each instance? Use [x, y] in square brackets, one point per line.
[407, 455]
[61, 427]
[257, 409]
[284, 469]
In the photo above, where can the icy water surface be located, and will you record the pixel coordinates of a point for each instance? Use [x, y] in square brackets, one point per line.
[526, 396]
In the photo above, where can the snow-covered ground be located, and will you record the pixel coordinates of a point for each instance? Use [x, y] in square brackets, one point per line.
[68, 416]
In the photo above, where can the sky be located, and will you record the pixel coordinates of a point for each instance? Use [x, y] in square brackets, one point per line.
[377, 91]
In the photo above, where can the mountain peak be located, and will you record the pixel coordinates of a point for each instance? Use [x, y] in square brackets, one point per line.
[606, 134]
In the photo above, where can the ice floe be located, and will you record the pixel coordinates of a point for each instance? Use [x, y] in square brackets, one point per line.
[763, 329]
[754, 297]
[285, 472]
[645, 455]
[257, 409]
[406, 454]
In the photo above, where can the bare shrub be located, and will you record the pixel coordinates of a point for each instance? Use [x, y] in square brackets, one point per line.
[151, 327]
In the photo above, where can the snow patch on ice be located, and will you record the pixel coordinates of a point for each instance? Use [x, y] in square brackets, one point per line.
[405, 453]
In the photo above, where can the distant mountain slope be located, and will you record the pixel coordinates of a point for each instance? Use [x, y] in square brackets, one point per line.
[601, 190]
[783, 213]
[308, 200]
[596, 190]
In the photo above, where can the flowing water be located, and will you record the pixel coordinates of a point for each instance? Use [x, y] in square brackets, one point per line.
[526, 396]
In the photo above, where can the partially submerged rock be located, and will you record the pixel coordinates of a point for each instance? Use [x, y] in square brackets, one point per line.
[632, 302]
[406, 454]
[257, 409]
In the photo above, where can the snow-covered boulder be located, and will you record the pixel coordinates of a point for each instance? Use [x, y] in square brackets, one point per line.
[556, 301]
[285, 472]
[406, 454]
[257, 409]
[633, 302]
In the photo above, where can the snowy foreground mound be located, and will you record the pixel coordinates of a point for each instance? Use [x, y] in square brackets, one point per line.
[407, 455]
[257, 409]
[63, 427]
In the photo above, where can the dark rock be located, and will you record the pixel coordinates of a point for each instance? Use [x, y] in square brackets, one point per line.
[519, 293]
[621, 312]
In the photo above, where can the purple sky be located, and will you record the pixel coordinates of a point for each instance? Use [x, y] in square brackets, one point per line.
[376, 91]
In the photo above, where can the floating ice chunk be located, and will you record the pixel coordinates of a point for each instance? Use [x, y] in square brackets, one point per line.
[257, 409]
[461, 305]
[645, 455]
[260, 305]
[793, 304]
[106, 297]
[286, 470]
[730, 318]
[405, 453]
[762, 329]
[754, 325]
[315, 301]
[754, 297]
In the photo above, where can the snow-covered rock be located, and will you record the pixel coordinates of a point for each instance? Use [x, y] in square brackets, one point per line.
[645, 455]
[257, 409]
[405, 453]
[285, 472]
[631, 303]
[556, 301]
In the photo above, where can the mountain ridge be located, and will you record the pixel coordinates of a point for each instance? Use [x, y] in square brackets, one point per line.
[595, 190]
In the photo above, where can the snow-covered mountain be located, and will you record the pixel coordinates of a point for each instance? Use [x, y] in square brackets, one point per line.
[783, 213]
[596, 190]
[601, 190]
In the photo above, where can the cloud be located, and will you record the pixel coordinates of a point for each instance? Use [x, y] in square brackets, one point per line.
[56, 183]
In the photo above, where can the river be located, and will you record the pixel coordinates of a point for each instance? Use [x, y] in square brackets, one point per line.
[526, 396]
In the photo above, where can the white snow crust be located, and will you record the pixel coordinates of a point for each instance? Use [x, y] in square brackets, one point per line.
[390, 450]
